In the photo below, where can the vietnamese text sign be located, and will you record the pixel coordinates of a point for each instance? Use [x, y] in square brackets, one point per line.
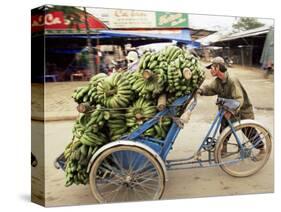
[131, 19]
[167, 19]
[56, 21]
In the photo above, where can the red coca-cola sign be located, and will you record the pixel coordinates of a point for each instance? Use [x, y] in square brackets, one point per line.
[57, 21]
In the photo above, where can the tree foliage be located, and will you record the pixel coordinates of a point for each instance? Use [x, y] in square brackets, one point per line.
[246, 23]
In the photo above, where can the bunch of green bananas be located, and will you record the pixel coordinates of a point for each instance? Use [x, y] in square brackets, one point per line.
[77, 158]
[160, 129]
[184, 74]
[172, 53]
[87, 138]
[151, 86]
[148, 61]
[88, 93]
[92, 93]
[150, 79]
[123, 101]
[117, 128]
[80, 94]
[139, 112]
[131, 77]
[114, 91]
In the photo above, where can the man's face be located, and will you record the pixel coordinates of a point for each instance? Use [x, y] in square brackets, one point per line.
[130, 62]
[214, 70]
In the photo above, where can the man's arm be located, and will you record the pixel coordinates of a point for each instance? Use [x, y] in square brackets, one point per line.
[237, 93]
[209, 90]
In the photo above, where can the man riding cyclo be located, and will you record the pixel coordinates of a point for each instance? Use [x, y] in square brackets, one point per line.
[227, 86]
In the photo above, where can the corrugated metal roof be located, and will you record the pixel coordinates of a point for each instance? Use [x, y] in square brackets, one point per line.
[268, 49]
[200, 33]
[247, 33]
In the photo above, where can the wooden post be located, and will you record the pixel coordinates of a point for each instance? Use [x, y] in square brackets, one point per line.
[242, 56]
[89, 44]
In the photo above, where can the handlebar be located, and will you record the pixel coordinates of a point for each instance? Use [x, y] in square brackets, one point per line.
[231, 105]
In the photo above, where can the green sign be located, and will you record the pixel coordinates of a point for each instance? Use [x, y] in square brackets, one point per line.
[167, 19]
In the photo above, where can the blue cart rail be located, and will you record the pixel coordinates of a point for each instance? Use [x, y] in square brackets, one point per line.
[162, 147]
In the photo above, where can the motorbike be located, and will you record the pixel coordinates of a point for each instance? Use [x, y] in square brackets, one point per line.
[228, 61]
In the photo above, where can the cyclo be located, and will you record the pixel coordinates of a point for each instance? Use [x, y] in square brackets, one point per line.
[135, 167]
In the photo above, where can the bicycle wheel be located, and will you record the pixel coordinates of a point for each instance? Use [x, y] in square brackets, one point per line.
[126, 173]
[246, 161]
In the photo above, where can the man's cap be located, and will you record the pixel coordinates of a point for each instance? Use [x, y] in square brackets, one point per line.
[132, 55]
[219, 61]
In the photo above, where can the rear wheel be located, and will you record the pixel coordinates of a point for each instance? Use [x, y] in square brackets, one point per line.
[246, 161]
[126, 173]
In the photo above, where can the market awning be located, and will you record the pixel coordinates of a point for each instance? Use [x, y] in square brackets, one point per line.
[182, 36]
[151, 36]
[63, 19]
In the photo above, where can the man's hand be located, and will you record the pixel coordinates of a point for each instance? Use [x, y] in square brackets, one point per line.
[227, 115]
[199, 92]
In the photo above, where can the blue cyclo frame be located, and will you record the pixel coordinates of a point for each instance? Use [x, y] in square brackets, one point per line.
[163, 147]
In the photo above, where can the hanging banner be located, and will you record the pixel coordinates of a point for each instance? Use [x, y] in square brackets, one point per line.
[172, 20]
[57, 20]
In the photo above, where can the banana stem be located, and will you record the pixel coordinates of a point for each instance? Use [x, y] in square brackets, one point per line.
[139, 116]
[147, 74]
[187, 73]
[162, 102]
[111, 92]
[83, 107]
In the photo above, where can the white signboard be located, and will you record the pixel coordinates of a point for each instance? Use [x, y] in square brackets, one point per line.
[132, 19]
[117, 18]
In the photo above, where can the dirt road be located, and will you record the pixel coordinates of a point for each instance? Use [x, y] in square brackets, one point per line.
[182, 183]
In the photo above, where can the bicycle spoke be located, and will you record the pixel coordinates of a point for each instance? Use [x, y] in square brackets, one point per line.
[233, 144]
[126, 174]
[138, 193]
[114, 169]
[256, 143]
[131, 160]
[136, 159]
[145, 179]
[117, 161]
[252, 137]
[105, 193]
[146, 184]
[112, 181]
[147, 171]
[143, 166]
[103, 186]
[116, 192]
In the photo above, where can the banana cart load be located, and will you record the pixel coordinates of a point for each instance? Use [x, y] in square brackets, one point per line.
[141, 107]
[129, 122]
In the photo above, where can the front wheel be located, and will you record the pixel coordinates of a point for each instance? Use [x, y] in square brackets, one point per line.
[247, 160]
[126, 173]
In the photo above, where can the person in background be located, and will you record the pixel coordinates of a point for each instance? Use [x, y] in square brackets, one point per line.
[229, 87]
[119, 65]
[132, 60]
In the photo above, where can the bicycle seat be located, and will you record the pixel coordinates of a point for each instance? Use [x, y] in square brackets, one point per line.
[230, 105]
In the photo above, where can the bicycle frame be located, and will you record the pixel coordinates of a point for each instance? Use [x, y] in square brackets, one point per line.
[163, 147]
[213, 130]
